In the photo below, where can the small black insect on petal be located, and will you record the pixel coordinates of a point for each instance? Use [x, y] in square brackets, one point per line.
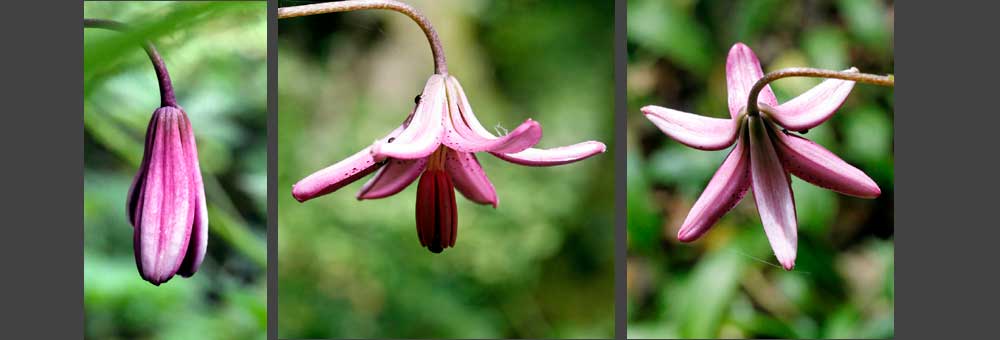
[416, 100]
[391, 139]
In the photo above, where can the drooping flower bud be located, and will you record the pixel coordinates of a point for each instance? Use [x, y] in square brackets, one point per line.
[166, 202]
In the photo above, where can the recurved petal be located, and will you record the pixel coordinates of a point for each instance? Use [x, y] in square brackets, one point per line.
[342, 173]
[696, 131]
[773, 193]
[742, 71]
[424, 133]
[198, 243]
[168, 207]
[554, 156]
[469, 177]
[466, 110]
[335, 176]
[814, 106]
[459, 134]
[724, 191]
[817, 165]
[395, 176]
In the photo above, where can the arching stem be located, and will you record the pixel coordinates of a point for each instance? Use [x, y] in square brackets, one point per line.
[162, 77]
[440, 65]
[752, 108]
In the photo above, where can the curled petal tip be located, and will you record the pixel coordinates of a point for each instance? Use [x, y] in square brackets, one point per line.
[876, 192]
[788, 265]
[298, 194]
[687, 235]
[554, 156]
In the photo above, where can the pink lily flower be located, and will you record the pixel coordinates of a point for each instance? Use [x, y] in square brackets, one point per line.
[438, 142]
[166, 202]
[765, 153]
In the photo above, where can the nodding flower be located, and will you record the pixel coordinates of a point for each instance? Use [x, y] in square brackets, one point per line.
[437, 142]
[765, 153]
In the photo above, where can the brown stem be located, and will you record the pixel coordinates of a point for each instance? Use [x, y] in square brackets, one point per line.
[162, 77]
[752, 108]
[440, 65]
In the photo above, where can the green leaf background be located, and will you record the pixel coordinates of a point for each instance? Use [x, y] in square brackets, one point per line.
[216, 54]
[728, 283]
[538, 266]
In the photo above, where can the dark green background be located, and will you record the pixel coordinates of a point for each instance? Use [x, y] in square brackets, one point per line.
[728, 284]
[540, 265]
[216, 54]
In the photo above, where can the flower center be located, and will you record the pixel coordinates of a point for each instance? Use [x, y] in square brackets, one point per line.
[436, 160]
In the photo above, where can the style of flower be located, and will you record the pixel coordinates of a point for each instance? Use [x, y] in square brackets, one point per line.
[166, 202]
[438, 142]
[765, 153]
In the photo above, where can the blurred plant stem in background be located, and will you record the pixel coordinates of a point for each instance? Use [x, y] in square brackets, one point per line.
[216, 53]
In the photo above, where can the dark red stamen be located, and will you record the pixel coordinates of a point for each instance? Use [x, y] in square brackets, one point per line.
[437, 216]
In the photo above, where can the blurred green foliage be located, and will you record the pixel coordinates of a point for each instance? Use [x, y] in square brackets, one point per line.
[728, 284]
[216, 55]
[540, 265]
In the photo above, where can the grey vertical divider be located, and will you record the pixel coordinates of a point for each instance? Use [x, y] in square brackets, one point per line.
[621, 149]
[272, 169]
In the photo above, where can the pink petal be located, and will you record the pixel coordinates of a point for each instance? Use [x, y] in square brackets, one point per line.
[773, 193]
[198, 244]
[467, 114]
[742, 71]
[395, 176]
[724, 191]
[166, 214]
[817, 165]
[459, 134]
[814, 106]
[423, 134]
[696, 131]
[133, 202]
[335, 176]
[469, 177]
[554, 156]
[342, 173]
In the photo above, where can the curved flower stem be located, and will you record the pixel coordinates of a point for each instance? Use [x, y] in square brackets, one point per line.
[440, 65]
[166, 88]
[752, 109]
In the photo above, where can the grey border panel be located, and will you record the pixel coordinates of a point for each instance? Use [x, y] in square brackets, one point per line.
[621, 151]
[272, 169]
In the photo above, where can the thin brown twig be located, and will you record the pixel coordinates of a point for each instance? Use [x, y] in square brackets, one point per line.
[162, 76]
[752, 108]
[440, 65]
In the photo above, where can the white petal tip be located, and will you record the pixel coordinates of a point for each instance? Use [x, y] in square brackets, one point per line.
[601, 148]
